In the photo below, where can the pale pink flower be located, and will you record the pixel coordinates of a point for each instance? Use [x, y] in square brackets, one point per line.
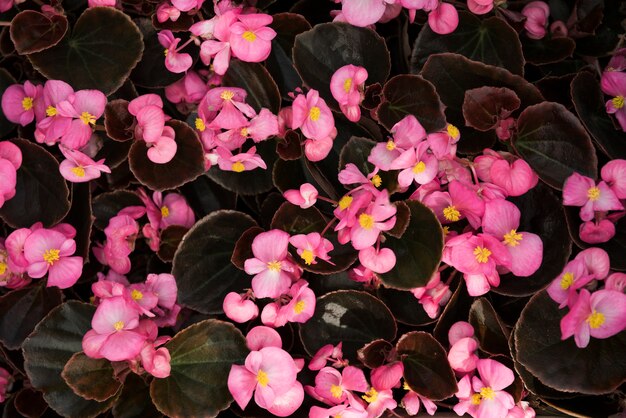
[156, 361]
[354, 410]
[327, 353]
[493, 401]
[582, 191]
[379, 260]
[239, 308]
[313, 116]
[613, 83]
[417, 165]
[300, 308]
[312, 246]
[346, 86]
[521, 410]
[248, 160]
[614, 174]
[188, 90]
[164, 212]
[174, 61]
[53, 126]
[462, 355]
[333, 387]
[79, 168]
[49, 251]
[165, 12]
[443, 144]
[187, 5]
[84, 107]
[537, 13]
[270, 266]
[599, 315]
[433, 296]
[411, 403]
[251, 38]
[23, 103]
[377, 217]
[480, 7]
[363, 12]
[444, 19]
[305, 197]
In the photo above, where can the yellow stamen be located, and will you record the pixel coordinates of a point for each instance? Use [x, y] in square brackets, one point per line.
[314, 113]
[118, 325]
[51, 111]
[370, 396]
[136, 294]
[336, 391]
[3, 268]
[345, 202]
[453, 131]
[88, 118]
[390, 145]
[596, 319]
[165, 52]
[405, 386]
[482, 254]
[593, 194]
[51, 256]
[227, 95]
[513, 238]
[244, 132]
[274, 265]
[262, 378]
[299, 307]
[451, 214]
[487, 393]
[347, 85]
[238, 167]
[376, 180]
[567, 280]
[419, 167]
[366, 221]
[475, 400]
[249, 36]
[446, 230]
[27, 103]
[307, 256]
[618, 102]
[78, 171]
[200, 125]
[165, 211]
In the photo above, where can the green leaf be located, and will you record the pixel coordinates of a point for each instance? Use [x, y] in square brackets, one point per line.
[426, 367]
[104, 46]
[555, 144]
[491, 41]
[404, 306]
[492, 335]
[32, 31]
[46, 351]
[202, 356]
[202, 267]
[91, 378]
[418, 252]
[349, 316]
[41, 191]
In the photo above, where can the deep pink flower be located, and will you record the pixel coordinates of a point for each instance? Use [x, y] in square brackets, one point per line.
[443, 144]
[616, 281]
[494, 378]
[313, 116]
[5, 380]
[582, 191]
[363, 12]
[22, 104]
[260, 337]
[353, 410]
[305, 197]
[537, 13]
[84, 107]
[614, 174]
[596, 232]
[165, 12]
[574, 276]
[239, 308]
[156, 361]
[387, 376]
[326, 353]
[79, 168]
[225, 108]
[171, 210]
[187, 5]
[10, 162]
[311, 246]
[248, 160]
[433, 296]
[480, 7]
[444, 19]
[417, 164]
[270, 267]
[461, 201]
[251, 38]
[188, 90]
[299, 309]
[49, 251]
[378, 216]
[411, 403]
[53, 126]
[462, 355]
[379, 401]
[333, 387]
[459, 330]
[346, 86]
[174, 61]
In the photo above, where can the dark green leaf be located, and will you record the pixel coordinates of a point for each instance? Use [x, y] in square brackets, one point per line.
[257, 82]
[485, 106]
[135, 401]
[107, 205]
[90, 378]
[492, 335]
[171, 238]
[32, 31]
[404, 306]
[547, 51]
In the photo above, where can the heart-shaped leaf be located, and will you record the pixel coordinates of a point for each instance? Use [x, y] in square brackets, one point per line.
[492, 335]
[555, 144]
[352, 317]
[485, 106]
[490, 40]
[257, 82]
[41, 192]
[426, 367]
[46, 351]
[202, 356]
[202, 267]
[375, 353]
[418, 252]
[90, 378]
[104, 46]
[32, 31]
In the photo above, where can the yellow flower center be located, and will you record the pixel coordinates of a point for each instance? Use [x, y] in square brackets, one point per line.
[88, 118]
[118, 325]
[227, 95]
[165, 52]
[262, 378]
[347, 85]
[244, 132]
[451, 213]
[366, 221]
[446, 230]
[200, 125]
[376, 180]
[238, 167]
[476, 399]
[51, 111]
[567, 280]
[78, 171]
[274, 265]
[307, 256]
[299, 307]
[370, 396]
[3, 268]
[314, 113]
[487, 393]
[513, 238]
[249, 36]
[593, 194]
[50, 256]
[482, 254]
[345, 202]
[405, 386]
[390, 145]
[618, 102]
[136, 294]
[453, 131]
[27, 103]
[596, 319]
[419, 167]
[336, 391]
[165, 211]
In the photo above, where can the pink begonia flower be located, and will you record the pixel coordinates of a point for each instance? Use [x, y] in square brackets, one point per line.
[333, 387]
[614, 174]
[407, 133]
[512, 174]
[599, 315]
[411, 403]
[462, 355]
[239, 308]
[574, 276]
[461, 201]
[387, 376]
[248, 160]
[305, 197]
[174, 61]
[348, 207]
[5, 381]
[537, 13]
[251, 38]
[164, 212]
[121, 233]
[148, 109]
[164, 287]
[144, 299]
[505, 128]
[187, 5]
[521, 410]
[352, 175]
[313, 116]
[165, 12]
[270, 266]
[414, 5]
[433, 296]
[383, 154]
[113, 335]
[477, 256]
[225, 108]
[444, 19]
[84, 107]
[318, 149]
[377, 260]
[459, 330]
[327, 353]
[300, 308]
[164, 149]
[156, 361]
[262, 126]
[354, 410]
[501, 219]
[51, 128]
[480, 7]
[189, 89]
[346, 86]
[378, 216]
[260, 337]
[363, 12]
[312, 246]
[10, 162]
[269, 374]
[488, 400]
[8, 277]
[417, 165]
[23, 103]
[616, 281]
[582, 191]
[443, 144]
[596, 232]
[379, 401]
[101, 3]
[596, 262]
[79, 168]
[49, 251]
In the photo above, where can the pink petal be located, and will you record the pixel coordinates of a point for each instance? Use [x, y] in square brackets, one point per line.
[241, 384]
[495, 374]
[122, 345]
[380, 261]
